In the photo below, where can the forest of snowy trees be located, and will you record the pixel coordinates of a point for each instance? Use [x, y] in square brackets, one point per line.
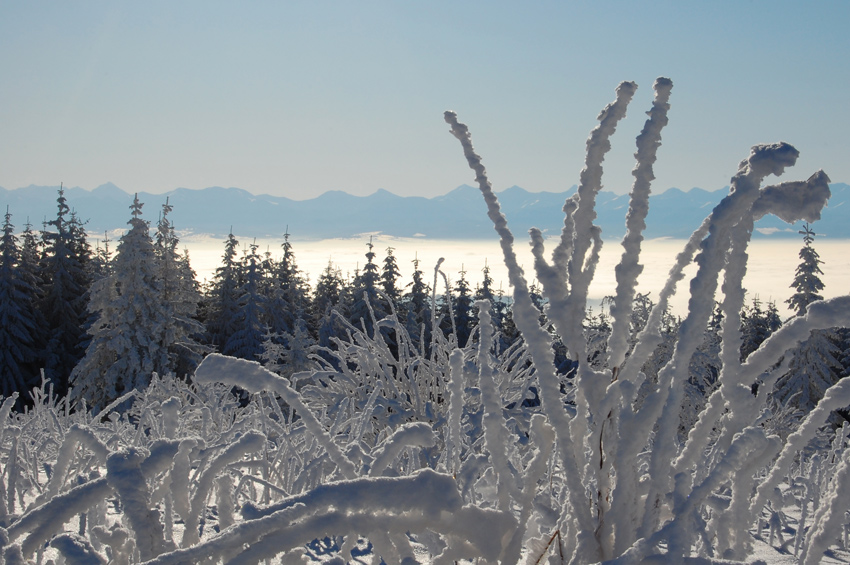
[147, 419]
[98, 322]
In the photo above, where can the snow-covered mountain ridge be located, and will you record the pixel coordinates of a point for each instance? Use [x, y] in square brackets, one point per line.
[459, 214]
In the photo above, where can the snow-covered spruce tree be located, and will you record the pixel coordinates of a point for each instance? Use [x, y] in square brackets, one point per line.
[134, 329]
[416, 308]
[328, 293]
[221, 301]
[391, 295]
[291, 291]
[389, 277]
[815, 366]
[757, 324]
[366, 303]
[80, 246]
[63, 303]
[806, 283]
[29, 268]
[462, 302]
[17, 303]
[485, 291]
[180, 296]
[247, 340]
[816, 363]
[286, 300]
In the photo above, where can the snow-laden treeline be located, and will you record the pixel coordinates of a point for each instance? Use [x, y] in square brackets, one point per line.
[392, 449]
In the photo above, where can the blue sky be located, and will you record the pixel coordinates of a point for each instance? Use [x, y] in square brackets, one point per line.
[297, 98]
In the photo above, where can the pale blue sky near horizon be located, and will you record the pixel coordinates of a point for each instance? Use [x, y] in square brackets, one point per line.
[298, 98]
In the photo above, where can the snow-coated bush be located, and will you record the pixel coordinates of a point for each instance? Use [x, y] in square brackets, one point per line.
[405, 453]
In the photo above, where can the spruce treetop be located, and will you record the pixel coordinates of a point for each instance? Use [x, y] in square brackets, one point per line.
[806, 281]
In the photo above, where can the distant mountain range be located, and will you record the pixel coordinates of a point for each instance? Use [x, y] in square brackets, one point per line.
[460, 214]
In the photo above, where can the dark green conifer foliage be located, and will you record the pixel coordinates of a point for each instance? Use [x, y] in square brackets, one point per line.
[816, 364]
[246, 342]
[17, 302]
[222, 300]
[365, 295]
[757, 324]
[416, 305]
[30, 268]
[330, 287]
[462, 307]
[180, 296]
[63, 301]
[289, 296]
[389, 277]
[806, 281]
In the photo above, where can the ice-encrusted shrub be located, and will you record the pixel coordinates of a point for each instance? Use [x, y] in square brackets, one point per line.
[412, 453]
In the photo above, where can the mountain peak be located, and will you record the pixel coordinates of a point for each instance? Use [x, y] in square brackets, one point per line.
[383, 193]
[108, 188]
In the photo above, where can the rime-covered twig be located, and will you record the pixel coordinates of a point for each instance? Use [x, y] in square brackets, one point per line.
[42, 522]
[837, 396]
[453, 441]
[496, 435]
[251, 376]
[75, 436]
[791, 202]
[762, 161]
[425, 493]
[539, 346]
[830, 519]
[543, 436]
[413, 434]
[590, 183]
[76, 550]
[124, 474]
[628, 270]
[248, 443]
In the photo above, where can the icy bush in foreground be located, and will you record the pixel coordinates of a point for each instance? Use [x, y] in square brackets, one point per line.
[386, 452]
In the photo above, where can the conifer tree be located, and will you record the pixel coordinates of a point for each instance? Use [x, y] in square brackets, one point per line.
[63, 301]
[80, 247]
[330, 287]
[806, 281]
[222, 300]
[417, 310]
[365, 289]
[180, 296]
[485, 291]
[288, 296]
[757, 324]
[462, 308]
[17, 298]
[246, 342]
[389, 277]
[30, 268]
[816, 364]
[597, 330]
[134, 330]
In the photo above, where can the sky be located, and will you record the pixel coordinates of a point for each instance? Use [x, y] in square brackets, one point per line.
[297, 98]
